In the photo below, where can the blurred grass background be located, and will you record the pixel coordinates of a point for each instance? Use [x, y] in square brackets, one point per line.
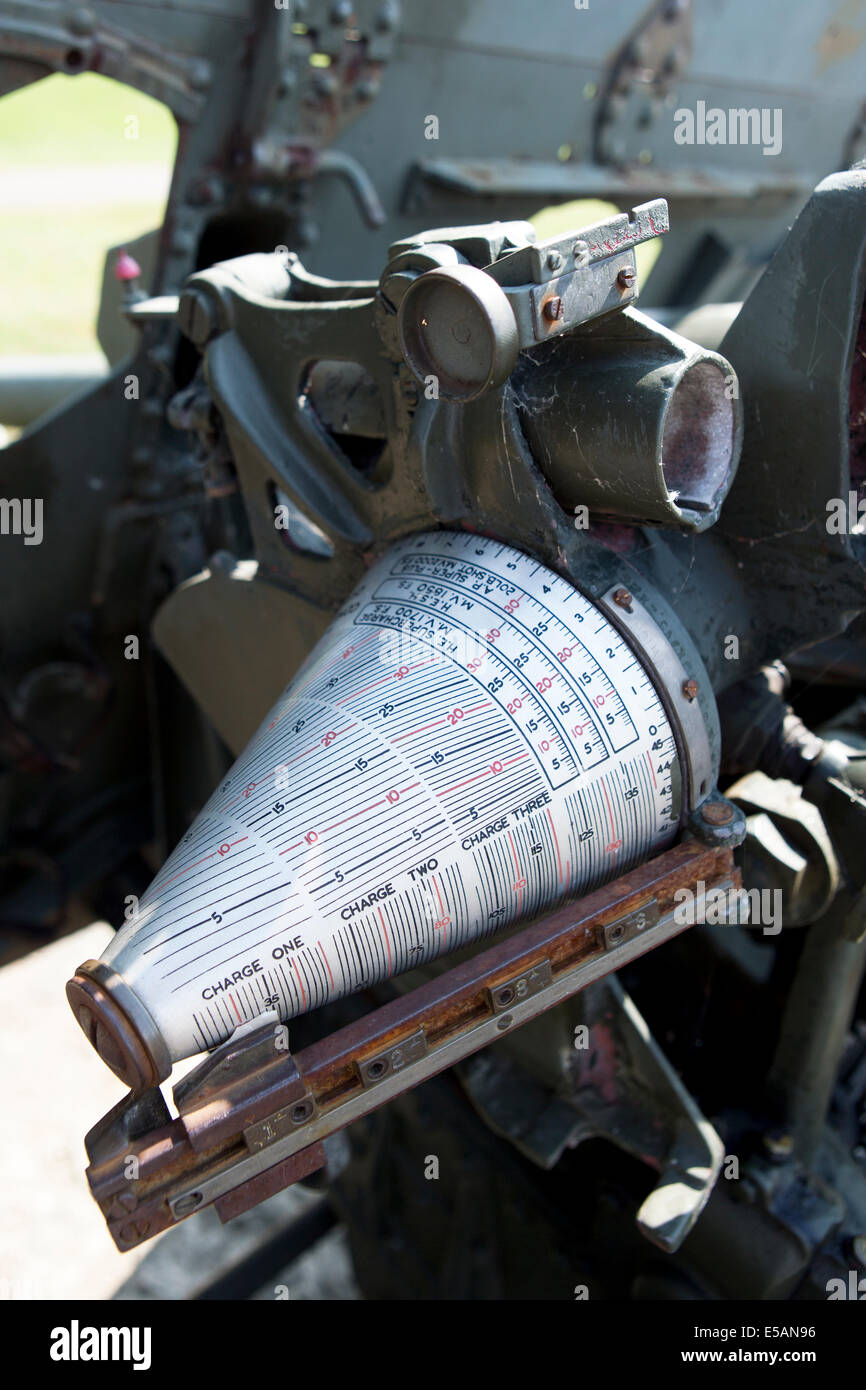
[85, 163]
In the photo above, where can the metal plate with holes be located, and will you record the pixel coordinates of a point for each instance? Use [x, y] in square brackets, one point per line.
[627, 928]
[514, 991]
[411, 1038]
[278, 1125]
[429, 1061]
[583, 294]
[375, 1069]
[601, 240]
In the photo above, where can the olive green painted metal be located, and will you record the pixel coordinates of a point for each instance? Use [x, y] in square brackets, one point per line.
[281, 362]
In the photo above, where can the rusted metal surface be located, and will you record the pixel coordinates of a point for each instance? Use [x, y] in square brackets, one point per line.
[250, 1094]
[567, 936]
[291, 1170]
[213, 1096]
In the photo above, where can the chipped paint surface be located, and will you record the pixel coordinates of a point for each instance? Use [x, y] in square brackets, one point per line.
[843, 35]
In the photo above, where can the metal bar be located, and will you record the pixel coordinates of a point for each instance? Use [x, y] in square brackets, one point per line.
[222, 1143]
[815, 1024]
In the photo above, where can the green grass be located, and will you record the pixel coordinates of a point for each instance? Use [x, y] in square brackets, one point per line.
[51, 274]
[83, 120]
[51, 257]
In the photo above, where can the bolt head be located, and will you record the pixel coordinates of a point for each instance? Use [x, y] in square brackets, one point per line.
[554, 260]
[690, 689]
[622, 598]
[552, 309]
[717, 813]
[626, 278]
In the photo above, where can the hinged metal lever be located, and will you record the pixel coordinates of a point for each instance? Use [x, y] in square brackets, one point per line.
[569, 280]
[157, 309]
[464, 325]
[572, 251]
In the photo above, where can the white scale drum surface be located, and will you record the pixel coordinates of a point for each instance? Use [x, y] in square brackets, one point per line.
[470, 742]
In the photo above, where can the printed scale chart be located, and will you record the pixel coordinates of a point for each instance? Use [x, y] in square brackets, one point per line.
[470, 741]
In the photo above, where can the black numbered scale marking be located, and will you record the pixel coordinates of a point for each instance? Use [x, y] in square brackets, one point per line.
[470, 741]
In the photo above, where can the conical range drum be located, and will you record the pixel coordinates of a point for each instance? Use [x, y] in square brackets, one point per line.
[470, 741]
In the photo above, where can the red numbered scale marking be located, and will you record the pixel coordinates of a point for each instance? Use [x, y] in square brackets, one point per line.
[470, 740]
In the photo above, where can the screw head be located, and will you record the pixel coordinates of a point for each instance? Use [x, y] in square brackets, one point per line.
[554, 260]
[717, 813]
[627, 277]
[690, 689]
[622, 598]
[187, 1204]
[552, 309]
[580, 252]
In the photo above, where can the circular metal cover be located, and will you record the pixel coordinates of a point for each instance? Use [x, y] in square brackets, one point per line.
[456, 324]
[118, 1026]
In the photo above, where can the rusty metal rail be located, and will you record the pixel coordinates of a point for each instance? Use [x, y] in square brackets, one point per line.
[252, 1117]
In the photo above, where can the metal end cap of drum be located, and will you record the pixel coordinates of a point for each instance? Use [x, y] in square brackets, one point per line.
[118, 1026]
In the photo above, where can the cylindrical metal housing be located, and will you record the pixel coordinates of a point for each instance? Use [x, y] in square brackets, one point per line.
[632, 421]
